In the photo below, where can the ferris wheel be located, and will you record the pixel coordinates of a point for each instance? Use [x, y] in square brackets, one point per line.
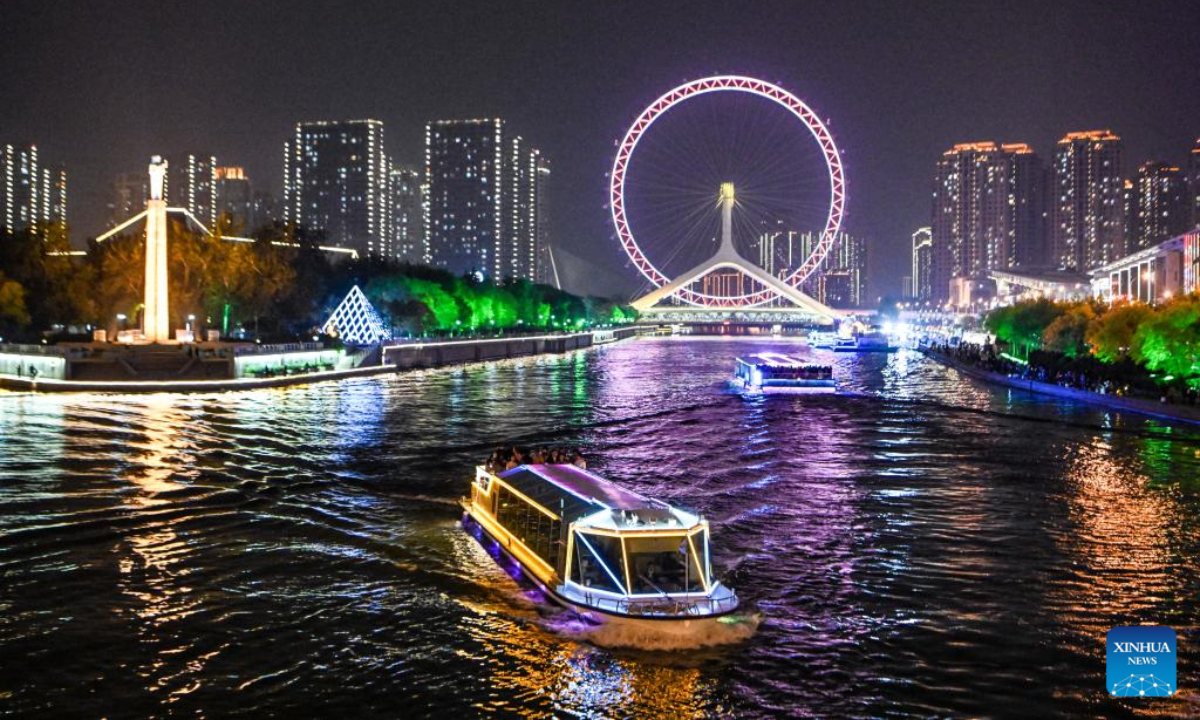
[679, 164]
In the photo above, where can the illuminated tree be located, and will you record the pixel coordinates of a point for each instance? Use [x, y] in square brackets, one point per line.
[317, 285]
[1023, 324]
[1067, 333]
[1111, 333]
[119, 266]
[58, 289]
[1169, 340]
[13, 311]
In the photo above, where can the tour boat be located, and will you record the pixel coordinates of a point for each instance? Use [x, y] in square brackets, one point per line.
[822, 340]
[774, 373]
[607, 553]
[866, 342]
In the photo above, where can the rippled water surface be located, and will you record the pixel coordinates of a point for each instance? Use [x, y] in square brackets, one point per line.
[925, 546]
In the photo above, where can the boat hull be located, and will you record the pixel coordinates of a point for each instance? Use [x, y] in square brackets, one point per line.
[879, 349]
[813, 387]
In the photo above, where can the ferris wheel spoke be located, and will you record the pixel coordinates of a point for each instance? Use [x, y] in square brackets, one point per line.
[665, 183]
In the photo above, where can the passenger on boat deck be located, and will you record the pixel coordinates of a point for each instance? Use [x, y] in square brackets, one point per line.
[503, 459]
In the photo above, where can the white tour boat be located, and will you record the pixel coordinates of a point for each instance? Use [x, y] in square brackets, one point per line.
[873, 341]
[607, 553]
[775, 373]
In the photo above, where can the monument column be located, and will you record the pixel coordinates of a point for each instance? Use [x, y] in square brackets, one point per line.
[156, 316]
[727, 197]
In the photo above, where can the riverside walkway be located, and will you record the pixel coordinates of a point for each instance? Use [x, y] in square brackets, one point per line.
[395, 358]
[1141, 406]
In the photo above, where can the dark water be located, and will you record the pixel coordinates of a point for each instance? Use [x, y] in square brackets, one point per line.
[933, 547]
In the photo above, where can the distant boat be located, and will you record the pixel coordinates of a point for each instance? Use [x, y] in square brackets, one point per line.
[874, 341]
[771, 373]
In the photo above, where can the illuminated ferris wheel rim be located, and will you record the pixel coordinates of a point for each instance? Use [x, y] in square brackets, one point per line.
[732, 83]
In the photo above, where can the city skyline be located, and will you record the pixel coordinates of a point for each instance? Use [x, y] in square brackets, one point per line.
[845, 77]
[835, 358]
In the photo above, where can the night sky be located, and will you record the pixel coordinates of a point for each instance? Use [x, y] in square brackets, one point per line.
[103, 85]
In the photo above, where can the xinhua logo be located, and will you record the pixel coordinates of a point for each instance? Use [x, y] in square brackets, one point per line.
[1141, 661]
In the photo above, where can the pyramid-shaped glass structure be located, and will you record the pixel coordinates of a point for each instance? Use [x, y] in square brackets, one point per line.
[356, 322]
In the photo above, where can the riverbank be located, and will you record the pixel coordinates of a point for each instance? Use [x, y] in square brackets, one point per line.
[1181, 413]
[393, 359]
[437, 354]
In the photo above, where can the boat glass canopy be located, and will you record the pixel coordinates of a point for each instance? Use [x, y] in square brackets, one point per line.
[601, 545]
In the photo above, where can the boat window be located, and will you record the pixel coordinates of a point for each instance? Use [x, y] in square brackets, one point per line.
[597, 562]
[535, 529]
[665, 564]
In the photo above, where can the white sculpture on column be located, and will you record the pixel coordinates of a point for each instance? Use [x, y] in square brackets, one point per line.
[156, 316]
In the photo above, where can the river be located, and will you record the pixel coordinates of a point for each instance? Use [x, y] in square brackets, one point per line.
[922, 545]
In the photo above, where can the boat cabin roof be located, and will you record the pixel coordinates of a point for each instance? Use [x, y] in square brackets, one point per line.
[574, 493]
[771, 359]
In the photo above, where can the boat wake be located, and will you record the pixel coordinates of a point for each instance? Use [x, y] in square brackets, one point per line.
[653, 635]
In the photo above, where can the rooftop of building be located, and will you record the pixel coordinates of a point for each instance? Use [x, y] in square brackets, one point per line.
[1041, 275]
[987, 146]
[1175, 244]
[1090, 135]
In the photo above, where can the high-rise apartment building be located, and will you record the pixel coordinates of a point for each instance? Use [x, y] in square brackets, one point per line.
[1193, 183]
[484, 203]
[235, 198]
[266, 209]
[407, 215]
[1027, 197]
[34, 192]
[986, 212]
[541, 271]
[336, 181]
[780, 251]
[922, 264]
[1160, 212]
[836, 289]
[127, 197]
[848, 256]
[191, 184]
[1087, 213]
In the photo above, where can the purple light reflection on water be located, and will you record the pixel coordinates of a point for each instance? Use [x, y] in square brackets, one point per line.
[911, 546]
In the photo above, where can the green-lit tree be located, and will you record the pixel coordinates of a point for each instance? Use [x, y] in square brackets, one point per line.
[1169, 340]
[1023, 324]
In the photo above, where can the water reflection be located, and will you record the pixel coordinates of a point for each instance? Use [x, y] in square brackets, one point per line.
[1117, 541]
[910, 548]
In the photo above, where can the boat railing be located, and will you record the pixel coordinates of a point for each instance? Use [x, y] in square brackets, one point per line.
[662, 606]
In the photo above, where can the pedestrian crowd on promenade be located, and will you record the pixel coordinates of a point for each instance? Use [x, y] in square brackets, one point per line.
[503, 459]
[1085, 373]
